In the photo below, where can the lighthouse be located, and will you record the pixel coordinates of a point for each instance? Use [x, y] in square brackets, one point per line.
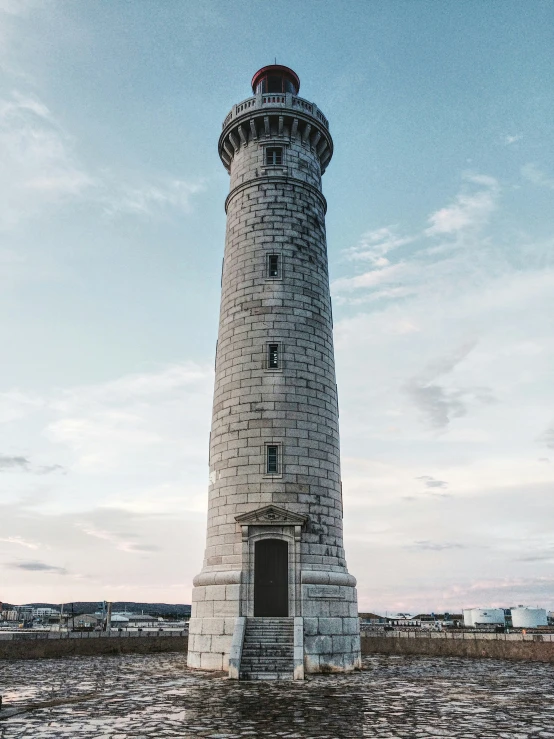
[274, 598]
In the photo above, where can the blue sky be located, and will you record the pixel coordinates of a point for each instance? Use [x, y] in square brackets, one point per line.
[440, 233]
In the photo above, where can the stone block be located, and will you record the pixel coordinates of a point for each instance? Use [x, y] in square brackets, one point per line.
[205, 609]
[201, 643]
[212, 626]
[311, 663]
[311, 626]
[341, 644]
[221, 643]
[211, 661]
[351, 625]
[193, 659]
[198, 593]
[318, 644]
[330, 626]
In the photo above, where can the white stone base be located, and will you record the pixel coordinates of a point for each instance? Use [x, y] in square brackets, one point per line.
[331, 630]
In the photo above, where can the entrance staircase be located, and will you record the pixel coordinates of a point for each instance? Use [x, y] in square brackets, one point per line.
[268, 649]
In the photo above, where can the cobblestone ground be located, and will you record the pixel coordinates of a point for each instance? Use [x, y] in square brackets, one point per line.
[156, 696]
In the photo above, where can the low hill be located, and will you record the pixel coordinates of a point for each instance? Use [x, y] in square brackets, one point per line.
[167, 610]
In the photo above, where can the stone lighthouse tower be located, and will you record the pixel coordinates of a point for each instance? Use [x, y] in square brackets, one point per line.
[274, 597]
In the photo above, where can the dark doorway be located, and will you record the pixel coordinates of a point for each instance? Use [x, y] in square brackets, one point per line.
[271, 579]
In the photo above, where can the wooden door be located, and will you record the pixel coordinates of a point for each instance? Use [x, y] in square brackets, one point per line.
[271, 578]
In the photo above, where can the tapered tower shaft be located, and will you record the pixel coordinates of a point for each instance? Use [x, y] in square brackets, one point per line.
[274, 540]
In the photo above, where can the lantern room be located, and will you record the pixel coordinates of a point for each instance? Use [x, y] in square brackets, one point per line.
[275, 79]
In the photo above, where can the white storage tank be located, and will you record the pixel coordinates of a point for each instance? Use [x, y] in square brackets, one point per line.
[483, 616]
[528, 618]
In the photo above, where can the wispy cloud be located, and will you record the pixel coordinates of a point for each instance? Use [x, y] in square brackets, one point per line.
[23, 464]
[37, 165]
[438, 404]
[547, 438]
[511, 139]
[431, 482]
[120, 540]
[470, 209]
[19, 541]
[40, 168]
[533, 173]
[8, 462]
[435, 546]
[373, 246]
[394, 274]
[151, 199]
[36, 566]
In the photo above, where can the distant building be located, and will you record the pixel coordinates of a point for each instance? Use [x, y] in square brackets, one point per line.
[404, 621]
[371, 618]
[528, 618]
[484, 617]
[10, 615]
[45, 612]
[84, 621]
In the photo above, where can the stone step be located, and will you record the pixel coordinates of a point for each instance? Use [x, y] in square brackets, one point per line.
[268, 649]
[273, 666]
[266, 676]
[270, 652]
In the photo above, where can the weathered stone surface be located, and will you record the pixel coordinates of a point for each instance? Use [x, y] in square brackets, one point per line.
[276, 210]
[157, 696]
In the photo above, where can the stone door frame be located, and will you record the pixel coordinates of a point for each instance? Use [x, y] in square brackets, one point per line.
[271, 522]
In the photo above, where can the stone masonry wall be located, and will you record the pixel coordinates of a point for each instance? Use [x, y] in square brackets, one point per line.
[472, 645]
[279, 210]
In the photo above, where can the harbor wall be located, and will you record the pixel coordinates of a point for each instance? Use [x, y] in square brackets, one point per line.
[530, 647]
[89, 644]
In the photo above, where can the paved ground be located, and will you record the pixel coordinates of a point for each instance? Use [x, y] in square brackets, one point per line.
[143, 696]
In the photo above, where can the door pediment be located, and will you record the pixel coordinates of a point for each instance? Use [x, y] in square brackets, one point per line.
[271, 515]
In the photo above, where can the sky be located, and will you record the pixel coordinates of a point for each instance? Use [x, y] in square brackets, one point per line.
[440, 231]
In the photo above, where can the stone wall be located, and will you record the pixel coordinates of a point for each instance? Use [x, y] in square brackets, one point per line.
[275, 210]
[30, 647]
[531, 647]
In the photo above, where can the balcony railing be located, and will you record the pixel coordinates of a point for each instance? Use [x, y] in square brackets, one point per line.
[276, 100]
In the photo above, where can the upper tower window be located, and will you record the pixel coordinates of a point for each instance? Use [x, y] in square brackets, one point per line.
[274, 155]
[274, 267]
[275, 79]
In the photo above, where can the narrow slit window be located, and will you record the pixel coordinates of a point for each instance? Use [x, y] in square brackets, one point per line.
[272, 459]
[274, 155]
[273, 356]
[273, 265]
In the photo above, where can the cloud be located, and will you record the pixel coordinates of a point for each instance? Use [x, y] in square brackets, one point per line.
[40, 169]
[36, 566]
[509, 139]
[19, 541]
[430, 482]
[17, 462]
[470, 210]
[37, 164]
[375, 278]
[8, 462]
[440, 405]
[534, 174]
[435, 546]
[151, 199]
[120, 540]
[544, 556]
[374, 245]
[547, 438]
[390, 278]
